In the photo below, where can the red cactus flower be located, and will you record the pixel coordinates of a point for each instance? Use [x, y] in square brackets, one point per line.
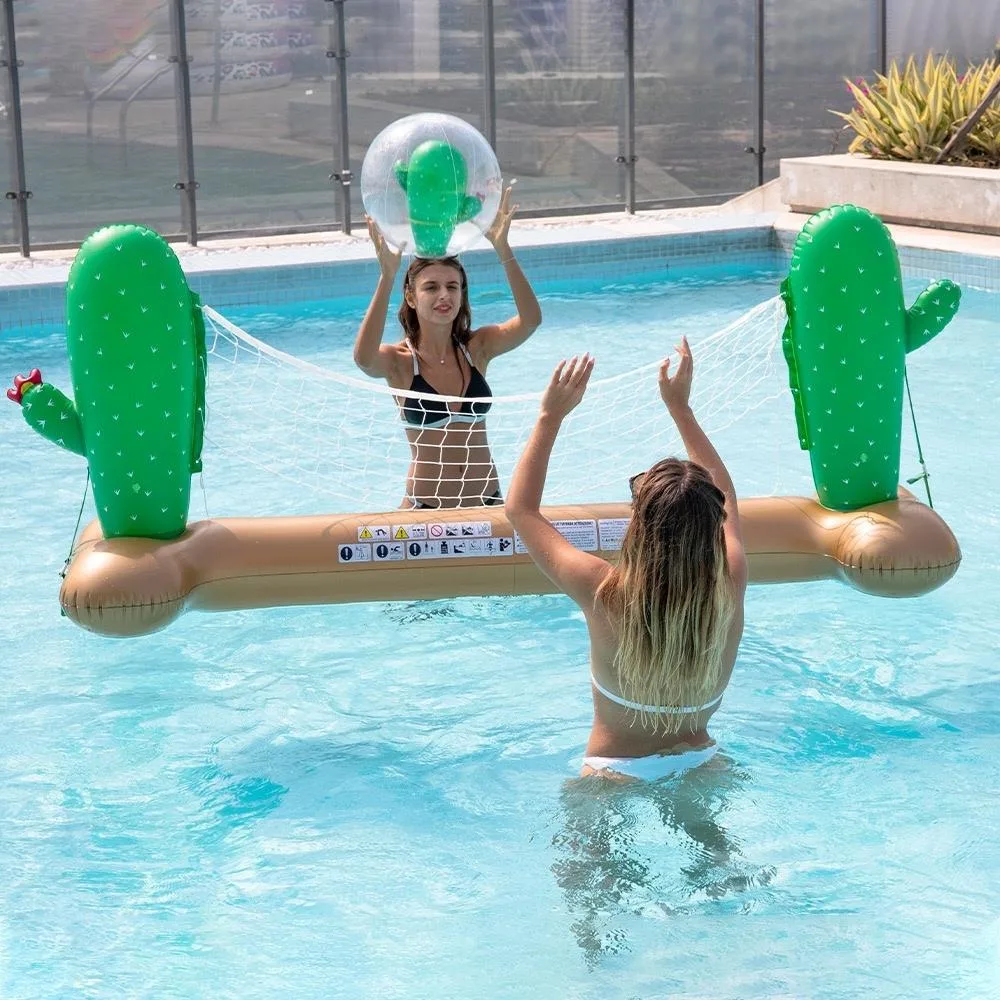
[22, 383]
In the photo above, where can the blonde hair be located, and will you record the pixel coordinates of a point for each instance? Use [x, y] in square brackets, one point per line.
[670, 595]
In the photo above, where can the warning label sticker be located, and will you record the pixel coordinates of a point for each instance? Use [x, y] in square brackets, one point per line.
[460, 529]
[373, 532]
[612, 531]
[460, 548]
[361, 552]
[389, 551]
[582, 534]
[403, 532]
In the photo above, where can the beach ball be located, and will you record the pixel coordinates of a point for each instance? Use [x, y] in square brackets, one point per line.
[432, 184]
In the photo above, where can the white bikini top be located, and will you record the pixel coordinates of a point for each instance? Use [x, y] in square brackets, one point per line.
[654, 709]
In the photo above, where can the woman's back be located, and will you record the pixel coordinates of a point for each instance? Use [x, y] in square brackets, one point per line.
[665, 627]
[621, 730]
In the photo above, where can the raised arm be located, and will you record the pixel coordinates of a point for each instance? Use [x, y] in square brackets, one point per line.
[370, 354]
[578, 574]
[675, 392]
[502, 337]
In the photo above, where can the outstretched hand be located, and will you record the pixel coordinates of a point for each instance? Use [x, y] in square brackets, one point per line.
[676, 391]
[388, 260]
[497, 233]
[566, 389]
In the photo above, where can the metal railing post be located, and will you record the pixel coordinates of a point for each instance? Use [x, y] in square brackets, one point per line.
[20, 194]
[338, 101]
[627, 157]
[955, 143]
[186, 185]
[757, 147]
[489, 76]
[881, 35]
[216, 60]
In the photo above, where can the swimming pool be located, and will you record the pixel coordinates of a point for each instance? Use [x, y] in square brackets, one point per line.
[379, 800]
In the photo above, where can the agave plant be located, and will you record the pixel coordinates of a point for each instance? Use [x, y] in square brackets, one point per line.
[983, 144]
[910, 114]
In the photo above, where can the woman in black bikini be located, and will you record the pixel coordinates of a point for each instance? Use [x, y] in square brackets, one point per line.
[451, 464]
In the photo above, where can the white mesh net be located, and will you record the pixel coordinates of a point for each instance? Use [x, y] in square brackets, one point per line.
[341, 442]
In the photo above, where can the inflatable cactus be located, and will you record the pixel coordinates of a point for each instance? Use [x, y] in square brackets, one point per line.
[434, 180]
[136, 343]
[846, 341]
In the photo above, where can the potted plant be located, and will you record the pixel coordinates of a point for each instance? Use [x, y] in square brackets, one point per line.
[925, 149]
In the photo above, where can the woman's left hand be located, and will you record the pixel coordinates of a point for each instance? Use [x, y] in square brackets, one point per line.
[566, 389]
[497, 233]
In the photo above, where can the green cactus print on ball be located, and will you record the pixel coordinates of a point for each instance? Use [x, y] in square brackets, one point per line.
[435, 179]
[846, 341]
[136, 342]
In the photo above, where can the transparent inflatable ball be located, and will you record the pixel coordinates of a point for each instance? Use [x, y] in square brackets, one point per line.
[432, 184]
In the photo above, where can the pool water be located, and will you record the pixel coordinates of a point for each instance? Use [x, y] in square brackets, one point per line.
[380, 801]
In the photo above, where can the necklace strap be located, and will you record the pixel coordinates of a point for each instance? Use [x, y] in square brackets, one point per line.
[429, 359]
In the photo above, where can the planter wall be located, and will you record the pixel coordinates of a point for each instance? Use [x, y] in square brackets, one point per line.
[914, 194]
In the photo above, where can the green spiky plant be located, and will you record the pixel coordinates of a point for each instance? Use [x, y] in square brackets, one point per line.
[911, 113]
[983, 144]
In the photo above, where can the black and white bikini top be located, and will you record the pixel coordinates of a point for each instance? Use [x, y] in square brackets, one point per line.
[435, 412]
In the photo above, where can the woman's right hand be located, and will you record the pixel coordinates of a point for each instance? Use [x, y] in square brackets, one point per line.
[388, 260]
[566, 388]
[676, 391]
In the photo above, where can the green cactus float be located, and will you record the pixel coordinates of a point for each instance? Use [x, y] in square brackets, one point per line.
[435, 180]
[846, 341]
[136, 343]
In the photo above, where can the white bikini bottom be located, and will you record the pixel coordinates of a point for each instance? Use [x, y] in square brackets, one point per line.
[653, 767]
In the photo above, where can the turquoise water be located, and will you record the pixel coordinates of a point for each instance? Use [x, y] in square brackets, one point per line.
[378, 800]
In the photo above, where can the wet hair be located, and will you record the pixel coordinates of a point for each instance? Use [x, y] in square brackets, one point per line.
[461, 328]
[670, 596]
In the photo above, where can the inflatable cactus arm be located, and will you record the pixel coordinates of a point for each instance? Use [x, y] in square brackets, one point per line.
[136, 343]
[931, 313]
[48, 411]
[845, 341]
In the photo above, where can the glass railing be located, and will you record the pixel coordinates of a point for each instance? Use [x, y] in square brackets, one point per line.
[591, 104]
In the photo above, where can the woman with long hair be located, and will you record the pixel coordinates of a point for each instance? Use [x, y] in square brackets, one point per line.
[665, 622]
[441, 354]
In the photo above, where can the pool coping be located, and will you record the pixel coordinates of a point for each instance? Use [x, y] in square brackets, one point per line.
[26, 284]
[51, 266]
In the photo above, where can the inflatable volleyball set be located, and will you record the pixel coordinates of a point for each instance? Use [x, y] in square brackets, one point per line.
[136, 345]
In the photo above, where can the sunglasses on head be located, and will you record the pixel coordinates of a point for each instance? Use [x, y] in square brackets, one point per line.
[634, 482]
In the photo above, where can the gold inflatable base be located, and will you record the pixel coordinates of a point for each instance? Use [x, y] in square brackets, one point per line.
[133, 586]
